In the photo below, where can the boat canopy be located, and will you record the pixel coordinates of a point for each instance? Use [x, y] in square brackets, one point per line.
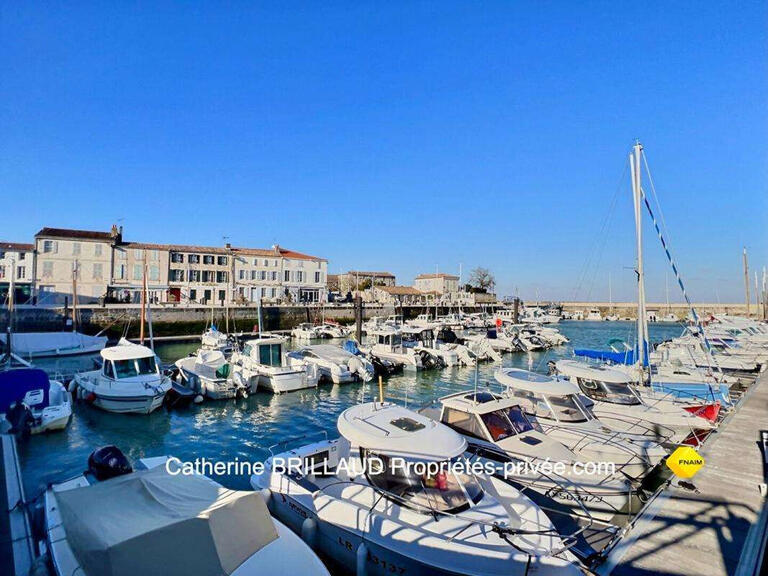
[126, 351]
[151, 522]
[576, 369]
[622, 357]
[14, 385]
[329, 352]
[533, 382]
[396, 431]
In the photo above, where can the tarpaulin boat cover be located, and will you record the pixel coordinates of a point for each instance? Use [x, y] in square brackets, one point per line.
[27, 344]
[625, 357]
[351, 347]
[14, 385]
[150, 522]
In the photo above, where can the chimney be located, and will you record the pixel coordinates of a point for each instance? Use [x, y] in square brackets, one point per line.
[228, 246]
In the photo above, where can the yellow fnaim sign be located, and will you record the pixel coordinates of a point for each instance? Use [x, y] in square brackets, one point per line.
[685, 462]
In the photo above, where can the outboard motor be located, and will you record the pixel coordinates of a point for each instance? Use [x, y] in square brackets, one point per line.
[20, 418]
[551, 368]
[108, 462]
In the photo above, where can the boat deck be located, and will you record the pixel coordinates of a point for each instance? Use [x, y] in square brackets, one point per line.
[718, 528]
[16, 549]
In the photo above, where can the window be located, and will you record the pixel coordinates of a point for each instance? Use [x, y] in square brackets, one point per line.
[194, 258]
[178, 275]
[22, 256]
[287, 276]
[154, 272]
[135, 367]
[76, 248]
[97, 249]
[193, 294]
[137, 273]
[207, 276]
[50, 246]
[272, 293]
[462, 422]
[97, 271]
[221, 277]
[138, 253]
[263, 275]
[270, 354]
[299, 276]
[442, 491]
[154, 255]
[266, 262]
[121, 272]
[2, 271]
[255, 261]
[208, 259]
[615, 393]
[194, 275]
[566, 408]
[222, 295]
[242, 275]
[533, 404]
[21, 271]
[253, 274]
[122, 254]
[47, 269]
[274, 276]
[177, 258]
[318, 276]
[500, 426]
[221, 260]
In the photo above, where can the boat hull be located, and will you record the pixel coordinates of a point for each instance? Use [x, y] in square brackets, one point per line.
[145, 404]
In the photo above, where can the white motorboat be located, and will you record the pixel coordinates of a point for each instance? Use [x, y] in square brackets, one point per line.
[558, 408]
[47, 344]
[363, 501]
[129, 380]
[593, 315]
[617, 403]
[331, 330]
[498, 430]
[306, 331]
[33, 403]
[333, 364]
[387, 343]
[209, 374]
[422, 338]
[154, 522]
[212, 339]
[263, 363]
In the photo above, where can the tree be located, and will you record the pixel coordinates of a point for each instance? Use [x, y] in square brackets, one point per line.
[482, 280]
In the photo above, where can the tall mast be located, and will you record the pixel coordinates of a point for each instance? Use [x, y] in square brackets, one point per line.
[642, 328]
[610, 295]
[9, 328]
[142, 314]
[746, 280]
[74, 296]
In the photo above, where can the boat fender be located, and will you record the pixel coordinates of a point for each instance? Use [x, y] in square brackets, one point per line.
[90, 398]
[361, 559]
[309, 532]
[198, 399]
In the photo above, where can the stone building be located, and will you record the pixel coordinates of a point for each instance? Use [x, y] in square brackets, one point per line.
[17, 262]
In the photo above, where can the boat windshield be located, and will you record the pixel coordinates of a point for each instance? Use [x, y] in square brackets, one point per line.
[135, 367]
[445, 487]
[506, 422]
[615, 393]
[567, 408]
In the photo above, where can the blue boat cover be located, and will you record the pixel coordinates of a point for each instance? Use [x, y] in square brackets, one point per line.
[351, 347]
[626, 357]
[14, 385]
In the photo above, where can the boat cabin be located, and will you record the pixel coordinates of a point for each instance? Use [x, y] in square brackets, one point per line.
[387, 436]
[127, 360]
[486, 416]
[551, 400]
[265, 351]
[600, 383]
[387, 338]
[412, 337]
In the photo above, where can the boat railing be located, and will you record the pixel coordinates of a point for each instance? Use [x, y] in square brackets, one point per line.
[288, 441]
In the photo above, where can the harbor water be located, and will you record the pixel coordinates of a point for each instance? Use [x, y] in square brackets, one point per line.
[243, 430]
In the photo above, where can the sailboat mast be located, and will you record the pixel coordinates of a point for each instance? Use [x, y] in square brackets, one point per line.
[746, 280]
[11, 312]
[142, 314]
[74, 296]
[642, 329]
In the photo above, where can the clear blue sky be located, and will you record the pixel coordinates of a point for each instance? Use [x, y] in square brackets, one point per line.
[399, 136]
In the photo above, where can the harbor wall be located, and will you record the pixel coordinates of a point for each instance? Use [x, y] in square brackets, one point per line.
[629, 309]
[182, 320]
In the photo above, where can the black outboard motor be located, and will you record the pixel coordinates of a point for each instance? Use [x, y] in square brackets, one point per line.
[20, 418]
[108, 462]
[447, 336]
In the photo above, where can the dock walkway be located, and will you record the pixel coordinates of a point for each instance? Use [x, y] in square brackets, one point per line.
[16, 548]
[718, 529]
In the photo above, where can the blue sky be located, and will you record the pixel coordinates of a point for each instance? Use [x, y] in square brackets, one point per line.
[398, 136]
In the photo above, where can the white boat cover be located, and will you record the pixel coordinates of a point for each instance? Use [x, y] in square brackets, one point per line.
[150, 522]
[27, 344]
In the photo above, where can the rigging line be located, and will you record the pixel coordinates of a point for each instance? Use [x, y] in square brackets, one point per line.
[588, 262]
